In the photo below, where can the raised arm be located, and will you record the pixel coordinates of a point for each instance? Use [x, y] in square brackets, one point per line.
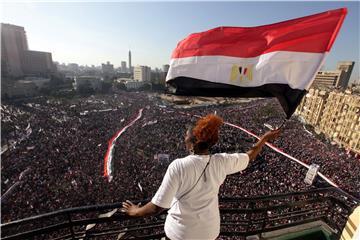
[256, 149]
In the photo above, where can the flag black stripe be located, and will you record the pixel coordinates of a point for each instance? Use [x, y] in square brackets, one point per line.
[288, 97]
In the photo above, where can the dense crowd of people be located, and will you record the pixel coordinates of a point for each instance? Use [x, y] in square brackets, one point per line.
[56, 147]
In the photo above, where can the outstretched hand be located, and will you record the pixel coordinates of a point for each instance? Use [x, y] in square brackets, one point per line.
[255, 150]
[271, 135]
[130, 209]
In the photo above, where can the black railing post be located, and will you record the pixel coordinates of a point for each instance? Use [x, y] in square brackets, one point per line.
[71, 226]
[250, 224]
[265, 215]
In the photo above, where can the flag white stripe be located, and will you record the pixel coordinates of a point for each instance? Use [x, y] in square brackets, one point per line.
[296, 69]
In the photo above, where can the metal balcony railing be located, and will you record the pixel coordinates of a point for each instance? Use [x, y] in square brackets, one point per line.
[239, 217]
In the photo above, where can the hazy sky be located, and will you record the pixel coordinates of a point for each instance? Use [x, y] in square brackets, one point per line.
[96, 32]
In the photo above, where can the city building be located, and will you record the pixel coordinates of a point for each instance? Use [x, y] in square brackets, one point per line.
[16, 58]
[312, 106]
[165, 68]
[335, 114]
[134, 85]
[338, 78]
[328, 79]
[130, 84]
[94, 82]
[21, 88]
[91, 71]
[38, 63]
[123, 80]
[347, 68]
[27, 87]
[142, 73]
[123, 75]
[107, 70]
[39, 82]
[73, 67]
[123, 67]
[130, 66]
[13, 46]
[156, 76]
[340, 119]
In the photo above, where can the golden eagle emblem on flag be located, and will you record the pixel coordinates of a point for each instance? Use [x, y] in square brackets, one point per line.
[241, 72]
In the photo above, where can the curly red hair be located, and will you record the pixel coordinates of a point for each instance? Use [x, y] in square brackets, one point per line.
[206, 130]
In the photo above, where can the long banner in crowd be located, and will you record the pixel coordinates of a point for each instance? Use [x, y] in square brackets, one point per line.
[282, 153]
[108, 160]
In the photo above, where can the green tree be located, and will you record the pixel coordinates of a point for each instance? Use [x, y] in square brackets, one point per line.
[86, 88]
[105, 87]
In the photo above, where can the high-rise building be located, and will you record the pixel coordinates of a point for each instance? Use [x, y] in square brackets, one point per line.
[38, 63]
[328, 78]
[107, 67]
[142, 73]
[13, 47]
[130, 67]
[346, 67]
[107, 70]
[123, 66]
[16, 58]
[338, 78]
[165, 68]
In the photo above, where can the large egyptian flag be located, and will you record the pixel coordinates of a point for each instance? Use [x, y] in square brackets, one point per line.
[277, 60]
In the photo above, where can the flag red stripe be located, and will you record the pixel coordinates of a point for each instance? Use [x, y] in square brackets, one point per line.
[314, 34]
[333, 37]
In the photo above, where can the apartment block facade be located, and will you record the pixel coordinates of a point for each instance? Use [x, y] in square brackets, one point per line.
[142, 73]
[334, 113]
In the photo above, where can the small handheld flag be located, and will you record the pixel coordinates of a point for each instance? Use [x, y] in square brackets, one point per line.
[277, 60]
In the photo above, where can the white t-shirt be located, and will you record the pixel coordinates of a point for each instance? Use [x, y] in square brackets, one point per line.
[196, 215]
